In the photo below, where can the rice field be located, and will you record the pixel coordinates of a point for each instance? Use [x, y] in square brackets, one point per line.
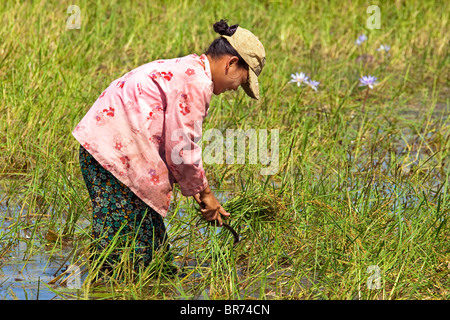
[359, 204]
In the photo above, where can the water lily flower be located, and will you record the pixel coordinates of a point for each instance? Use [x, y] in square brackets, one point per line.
[361, 39]
[298, 78]
[369, 81]
[313, 84]
[385, 48]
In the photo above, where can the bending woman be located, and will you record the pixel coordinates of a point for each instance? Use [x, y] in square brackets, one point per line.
[140, 137]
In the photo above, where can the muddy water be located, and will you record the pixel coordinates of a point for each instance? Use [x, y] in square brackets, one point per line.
[25, 279]
[26, 265]
[26, 269]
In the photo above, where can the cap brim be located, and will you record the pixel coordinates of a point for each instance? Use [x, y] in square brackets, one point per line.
[251, 88]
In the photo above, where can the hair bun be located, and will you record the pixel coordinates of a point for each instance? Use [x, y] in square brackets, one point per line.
[222, 28]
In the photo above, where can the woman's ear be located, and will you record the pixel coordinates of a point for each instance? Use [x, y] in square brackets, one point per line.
[232, 61]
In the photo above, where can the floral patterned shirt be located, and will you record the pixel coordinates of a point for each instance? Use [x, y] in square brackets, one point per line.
[145, 126]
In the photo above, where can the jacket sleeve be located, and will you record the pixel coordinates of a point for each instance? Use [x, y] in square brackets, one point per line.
[183, 131]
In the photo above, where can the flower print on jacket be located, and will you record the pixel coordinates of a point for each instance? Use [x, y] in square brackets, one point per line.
[150, 115]
[185, 103]
[120, 143]
[153, 176]
[168, 196]
[125, 161]
[102, 117]
[120, 84]
[154, 108]
[118, 146]
[109, 112]
[155, 179]
[139, 88]
[79, 128]
[90, 146]
[156, 75]
[190, 72]
[167, 75]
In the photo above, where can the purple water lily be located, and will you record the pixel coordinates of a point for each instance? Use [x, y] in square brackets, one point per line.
[298, 78]
[369, 81]
[313, 84]
[384, 47]
[361, 39]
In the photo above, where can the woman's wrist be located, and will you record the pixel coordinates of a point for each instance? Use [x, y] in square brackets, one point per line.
[206, 192]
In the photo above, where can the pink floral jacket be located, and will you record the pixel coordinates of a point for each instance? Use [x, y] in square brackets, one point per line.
[145, 122]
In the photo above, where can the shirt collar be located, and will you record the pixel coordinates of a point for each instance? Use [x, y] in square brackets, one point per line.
[206, 65]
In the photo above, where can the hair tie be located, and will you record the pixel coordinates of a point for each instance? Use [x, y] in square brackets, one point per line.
[232, 29]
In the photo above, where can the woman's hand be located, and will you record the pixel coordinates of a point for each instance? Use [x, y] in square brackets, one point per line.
[210, 206]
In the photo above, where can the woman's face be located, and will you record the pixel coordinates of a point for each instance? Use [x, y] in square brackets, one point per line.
[227, 74]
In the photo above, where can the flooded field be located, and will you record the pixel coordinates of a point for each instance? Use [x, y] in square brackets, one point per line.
[28, 279]
[28, 261]
[36, 262]
[37, 265]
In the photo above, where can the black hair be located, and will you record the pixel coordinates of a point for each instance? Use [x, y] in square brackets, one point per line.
[221, 46]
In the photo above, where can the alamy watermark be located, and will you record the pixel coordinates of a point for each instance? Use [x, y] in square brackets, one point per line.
[222, 148]
[74, 20]
[374, 280]
[74, 277]
[374, 21]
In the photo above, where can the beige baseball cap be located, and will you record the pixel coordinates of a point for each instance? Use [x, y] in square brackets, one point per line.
[252, 51]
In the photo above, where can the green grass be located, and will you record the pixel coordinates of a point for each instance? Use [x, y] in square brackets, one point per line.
[363, 180]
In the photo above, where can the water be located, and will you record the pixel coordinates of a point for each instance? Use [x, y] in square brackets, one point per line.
[27, 265]
[24, 277]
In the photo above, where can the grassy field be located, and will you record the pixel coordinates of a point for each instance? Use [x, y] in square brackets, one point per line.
[359, 207]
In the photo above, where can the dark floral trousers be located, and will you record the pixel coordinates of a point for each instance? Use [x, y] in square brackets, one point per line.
[120, 217]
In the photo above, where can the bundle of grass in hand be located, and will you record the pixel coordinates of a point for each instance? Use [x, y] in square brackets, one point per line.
[256, 204]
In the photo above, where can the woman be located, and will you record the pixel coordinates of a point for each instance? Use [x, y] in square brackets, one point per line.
[140, 137]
